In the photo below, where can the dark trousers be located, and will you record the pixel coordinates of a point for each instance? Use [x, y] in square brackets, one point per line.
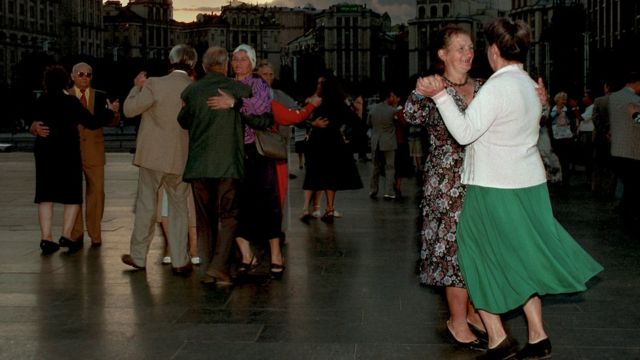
[628, 171]
[564, 149]
[217, 220]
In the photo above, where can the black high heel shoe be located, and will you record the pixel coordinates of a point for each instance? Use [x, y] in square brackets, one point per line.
[471, 345]
[48, 247]
[306, 216]
[277, 270]
[479, 333]
[74, 246]
[245, 268]
[506, 349]
[328, 217]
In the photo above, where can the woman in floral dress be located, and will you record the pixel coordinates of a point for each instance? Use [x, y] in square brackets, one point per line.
[443, 191]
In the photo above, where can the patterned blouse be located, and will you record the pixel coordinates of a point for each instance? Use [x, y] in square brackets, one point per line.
[443, 191]
[259, 103]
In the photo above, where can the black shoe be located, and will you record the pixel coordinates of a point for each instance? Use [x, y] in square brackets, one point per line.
[293, 176]
[246, 268]
[48, 247]
[373, 194]
[328, 217]
[276, 271]
[479, 333]
[305, 218]
[64, 242]
[471, 345]
[74, 246]
[507, 349]
[539, 350]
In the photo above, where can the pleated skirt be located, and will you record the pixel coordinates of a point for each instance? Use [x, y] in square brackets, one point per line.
[511, 247]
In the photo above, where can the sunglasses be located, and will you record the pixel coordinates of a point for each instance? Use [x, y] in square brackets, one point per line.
[82, 74]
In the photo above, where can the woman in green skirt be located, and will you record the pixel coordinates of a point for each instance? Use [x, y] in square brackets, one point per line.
[511, 248]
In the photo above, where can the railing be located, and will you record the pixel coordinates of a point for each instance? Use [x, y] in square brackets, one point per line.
[113, 142]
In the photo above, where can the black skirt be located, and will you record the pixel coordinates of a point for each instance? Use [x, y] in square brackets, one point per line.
[329, 162]
[260, 215]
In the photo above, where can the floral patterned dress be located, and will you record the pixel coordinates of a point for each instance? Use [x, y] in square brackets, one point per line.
[443, 191]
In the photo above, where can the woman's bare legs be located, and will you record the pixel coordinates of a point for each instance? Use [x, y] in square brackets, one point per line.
[245, 250]
[193, 241]
[533, 312]
[276, 251]
[45, 216]
[458, 301]
[331, 198]
[473, 317]
[69, 215]
[495, 330]
[164, 224]
[307, 202]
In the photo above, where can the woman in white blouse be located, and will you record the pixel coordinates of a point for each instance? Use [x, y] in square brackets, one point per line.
[511, 248]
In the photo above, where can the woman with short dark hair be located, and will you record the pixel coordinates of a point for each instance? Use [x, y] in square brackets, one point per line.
[57, 155]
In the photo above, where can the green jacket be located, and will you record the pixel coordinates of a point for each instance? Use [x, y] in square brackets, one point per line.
[216, 137]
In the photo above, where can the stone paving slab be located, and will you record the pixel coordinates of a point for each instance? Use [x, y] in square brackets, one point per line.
[350, 289]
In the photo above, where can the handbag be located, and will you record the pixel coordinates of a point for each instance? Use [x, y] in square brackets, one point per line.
[271, 144]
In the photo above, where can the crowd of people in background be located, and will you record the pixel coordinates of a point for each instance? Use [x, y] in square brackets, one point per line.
[204, 171]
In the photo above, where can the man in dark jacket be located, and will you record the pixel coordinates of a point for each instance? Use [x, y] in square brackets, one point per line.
[215, 162]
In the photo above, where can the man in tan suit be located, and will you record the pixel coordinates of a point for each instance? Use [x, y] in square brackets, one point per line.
[161, 155]
[91, 150]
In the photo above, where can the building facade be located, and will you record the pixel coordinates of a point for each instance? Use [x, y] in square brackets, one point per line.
[612, 40]
[142, 28]
[351, 41]
[45, 27]
[432, 15]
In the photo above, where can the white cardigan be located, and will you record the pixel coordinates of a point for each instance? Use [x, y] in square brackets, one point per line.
[501, 126]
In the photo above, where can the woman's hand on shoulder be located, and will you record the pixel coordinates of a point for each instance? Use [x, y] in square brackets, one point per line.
[221, 102]
[320, 122]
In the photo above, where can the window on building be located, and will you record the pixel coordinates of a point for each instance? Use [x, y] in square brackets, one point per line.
[434, 12]
[21, 10]
[11, 7]
[421, 12]
[445, 11]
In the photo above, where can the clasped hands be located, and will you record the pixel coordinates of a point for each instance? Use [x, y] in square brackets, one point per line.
[429, 86]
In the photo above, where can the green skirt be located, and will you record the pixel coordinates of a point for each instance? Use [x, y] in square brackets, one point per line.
[511, 248]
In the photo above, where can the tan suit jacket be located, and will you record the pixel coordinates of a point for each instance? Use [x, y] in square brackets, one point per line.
[93, 161]
[161, 154]
[92, 141]
[162, 145]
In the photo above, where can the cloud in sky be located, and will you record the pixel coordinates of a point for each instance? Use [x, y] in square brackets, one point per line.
[399, 10]
[201, 9]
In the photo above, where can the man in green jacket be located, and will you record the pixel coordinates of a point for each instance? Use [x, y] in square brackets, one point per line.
[215, 163]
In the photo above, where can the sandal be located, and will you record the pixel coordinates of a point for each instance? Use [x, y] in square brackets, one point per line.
[306, 216]
[328, 216]
[277, 270]
[245, 268]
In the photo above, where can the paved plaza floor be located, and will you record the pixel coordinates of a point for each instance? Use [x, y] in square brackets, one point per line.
[350, 290]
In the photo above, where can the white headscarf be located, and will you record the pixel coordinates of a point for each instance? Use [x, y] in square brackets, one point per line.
[251, 53]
